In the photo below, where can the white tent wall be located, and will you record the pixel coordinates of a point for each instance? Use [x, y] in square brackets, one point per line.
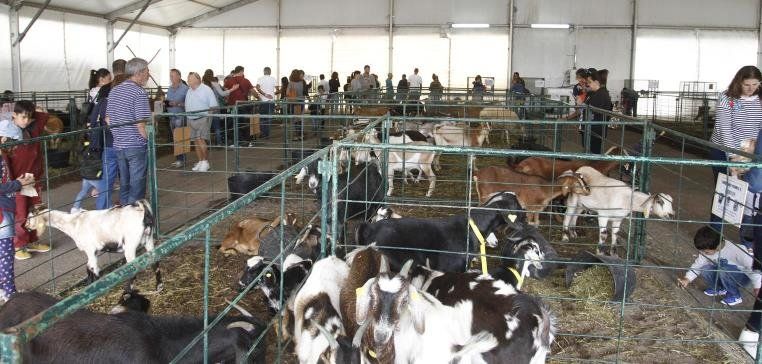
[594, 12]
[699, 13]
[413, 45]
[545, 53]
[263, 13]
[254, 49]
[411, 12]
[308, 50]
[672, 56]
[198, 50]
[482, 52]
[357, 47]
[145, 41]
[330, 12]
[6, 78]
[608, 49]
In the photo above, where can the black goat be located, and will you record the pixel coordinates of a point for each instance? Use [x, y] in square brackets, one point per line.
[440, 243]
[128, 337]
[360, 183]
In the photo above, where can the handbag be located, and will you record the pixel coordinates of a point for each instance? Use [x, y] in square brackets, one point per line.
[91, 166]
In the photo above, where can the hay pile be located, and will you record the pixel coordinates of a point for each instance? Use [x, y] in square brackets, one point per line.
[593, 284]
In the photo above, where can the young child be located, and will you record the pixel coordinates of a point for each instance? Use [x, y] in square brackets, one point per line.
[725, 267]
[8, 190]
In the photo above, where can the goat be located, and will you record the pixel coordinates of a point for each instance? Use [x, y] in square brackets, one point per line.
[131, 336]
[244, 236]
[473, 319]
[362, 183]
[384, 213]
[405, 161]
[295, 271]
[316, 308]
[613, 200]
[553, 168]
[54, 126]
[126, 227]
[463, 136]
[306, 245]
[534, 193]
[131, 300]
[364, 264]
[526, 254]
[440, 242]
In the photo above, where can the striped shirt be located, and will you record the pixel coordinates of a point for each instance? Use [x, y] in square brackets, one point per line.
[737, 120]
[127, 102]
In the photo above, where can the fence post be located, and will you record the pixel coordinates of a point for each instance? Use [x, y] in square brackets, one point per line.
[10, 349]
[236, 147]
[153, 177]
[207, 246]
[334, 198]
[643, 185]
[324, 168]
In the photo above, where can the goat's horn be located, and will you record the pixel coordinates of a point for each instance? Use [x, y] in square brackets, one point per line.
[406, 269]
[331, 340]
[239, 308]
[248, 326]
[357, 340]
[384, 269]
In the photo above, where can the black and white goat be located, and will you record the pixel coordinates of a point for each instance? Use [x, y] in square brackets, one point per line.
[360, 183]
[89, 337]
[613, 200]
[406, 161]
[471, 319]
[383, 213]
[119, 228]
[441, 242]
[316, 309]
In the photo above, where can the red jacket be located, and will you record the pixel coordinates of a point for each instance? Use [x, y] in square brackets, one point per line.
[28, 158]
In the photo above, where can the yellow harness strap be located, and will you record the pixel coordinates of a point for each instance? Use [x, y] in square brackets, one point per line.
[482, 244]
[519, 277]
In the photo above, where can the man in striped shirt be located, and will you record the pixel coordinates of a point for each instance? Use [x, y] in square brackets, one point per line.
[126, 113]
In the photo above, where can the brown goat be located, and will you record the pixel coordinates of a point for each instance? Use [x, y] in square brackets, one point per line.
[365, 264]
[244, 236]
[371, 110]
[534, 192]
[552, 168]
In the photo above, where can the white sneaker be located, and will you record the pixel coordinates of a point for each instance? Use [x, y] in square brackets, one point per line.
[748, 340]
[195, 166]
[203, 166]
[74, 210]
[176, 164]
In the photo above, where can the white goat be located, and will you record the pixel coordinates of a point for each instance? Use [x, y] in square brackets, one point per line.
[613, 200]
[406, 161]
[120, 228]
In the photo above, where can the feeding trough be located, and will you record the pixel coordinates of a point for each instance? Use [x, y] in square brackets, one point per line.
[624, 278]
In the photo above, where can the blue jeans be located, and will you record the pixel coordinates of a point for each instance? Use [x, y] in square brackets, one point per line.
[725, 276]
[87, 185]
[132, 174]
[110, 172]
[265, 108]
[217, 129]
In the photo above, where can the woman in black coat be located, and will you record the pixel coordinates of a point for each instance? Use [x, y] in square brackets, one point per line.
[598, 97]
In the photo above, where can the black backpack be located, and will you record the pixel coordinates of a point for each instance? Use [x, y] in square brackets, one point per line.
[91, 165]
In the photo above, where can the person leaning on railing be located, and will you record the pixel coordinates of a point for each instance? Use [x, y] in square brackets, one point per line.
[739, 112]
[598, 97]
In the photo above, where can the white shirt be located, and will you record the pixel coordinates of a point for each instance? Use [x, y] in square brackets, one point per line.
[735, 254]
[200, 99]
[415, 81]
[324, 83]
[267, 85]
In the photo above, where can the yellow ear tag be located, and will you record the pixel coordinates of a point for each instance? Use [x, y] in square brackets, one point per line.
[414, 295]
[359, 292]
[372, 354]
[512, 217]
[268, 275]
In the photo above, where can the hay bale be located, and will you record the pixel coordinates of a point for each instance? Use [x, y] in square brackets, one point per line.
[594, 283]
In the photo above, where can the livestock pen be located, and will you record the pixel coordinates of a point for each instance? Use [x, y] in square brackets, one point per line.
[657, 322]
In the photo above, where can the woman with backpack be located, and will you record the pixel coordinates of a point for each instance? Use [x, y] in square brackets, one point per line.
[101, 144]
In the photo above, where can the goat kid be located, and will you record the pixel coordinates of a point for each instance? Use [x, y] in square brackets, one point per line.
[119, 228]
[245, 236]
[553, 168]
[613, 200]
